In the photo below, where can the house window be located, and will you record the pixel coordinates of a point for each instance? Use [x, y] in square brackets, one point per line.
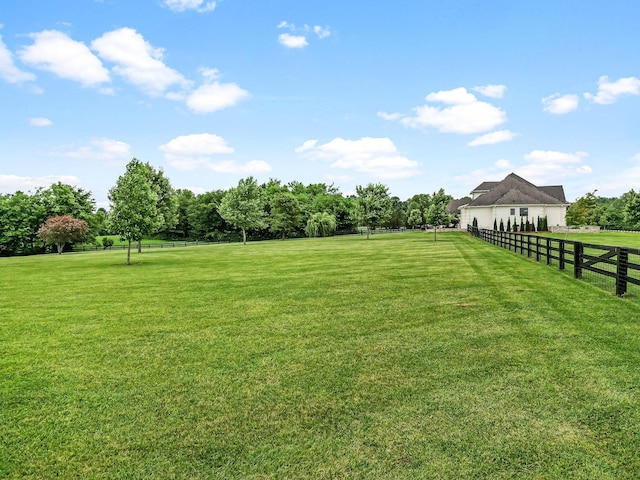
[512, 212]
[524, 212]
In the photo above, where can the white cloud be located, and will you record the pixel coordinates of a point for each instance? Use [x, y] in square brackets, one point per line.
[492, 138]
[306, 146]
[102, 149]
[40, 122]
[137, 61]
[13, 183]
[622, 180]
[608, 92]
[298, 36]
[554, 157]
[465, 113]
[213, 96]
[548, 166]
[182, 5]
[57, 53]
[292, 41]
[321, 32]
[390, 116]
[457, 96]
[254, 167]
[377, 157]
[493, 91]
[188, 152]
[8, 70]
[560, 104]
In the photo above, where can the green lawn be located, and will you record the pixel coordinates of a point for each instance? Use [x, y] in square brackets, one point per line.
[330, 358]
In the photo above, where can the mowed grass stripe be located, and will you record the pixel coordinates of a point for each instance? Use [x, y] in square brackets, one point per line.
[395, 357]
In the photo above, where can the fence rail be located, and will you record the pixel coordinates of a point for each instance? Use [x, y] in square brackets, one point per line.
[610, 267]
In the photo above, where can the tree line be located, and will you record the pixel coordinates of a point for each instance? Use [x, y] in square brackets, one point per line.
[612, 213]
[143, 204]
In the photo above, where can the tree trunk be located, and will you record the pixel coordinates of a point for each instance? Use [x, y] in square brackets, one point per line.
[368, 231]
[60, 247]
[435, 233]
[244, 236]
[129, 254]
[140, 246]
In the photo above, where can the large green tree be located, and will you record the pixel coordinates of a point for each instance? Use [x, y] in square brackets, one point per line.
[417, 210]
[373, 205]
[167, 201]
[583, 210]
[134, 211]
[20, 217]
[632, 210]
[285, 215]
[243, 206]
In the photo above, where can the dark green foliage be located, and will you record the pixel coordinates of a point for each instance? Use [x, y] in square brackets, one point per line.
[20, 218]
[583, 210]
[474, 223]
[107, 242]
[495, 224]
[286, 214]
[204, 220]
[501, 225]
[509, 224]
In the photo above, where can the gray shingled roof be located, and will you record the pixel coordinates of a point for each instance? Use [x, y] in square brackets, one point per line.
[454, 205]
[516, 190]
[485, 186]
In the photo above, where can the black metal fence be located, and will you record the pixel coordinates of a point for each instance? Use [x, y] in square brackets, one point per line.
[616, 269]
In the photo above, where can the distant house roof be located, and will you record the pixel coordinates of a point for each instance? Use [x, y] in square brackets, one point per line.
[516, 190]
[485, 187]
[454, 205]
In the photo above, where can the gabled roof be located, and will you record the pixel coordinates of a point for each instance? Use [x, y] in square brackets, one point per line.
[516, 190]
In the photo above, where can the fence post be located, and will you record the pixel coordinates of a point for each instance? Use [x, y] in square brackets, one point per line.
[621, 271]
[529, 246]
[548, 251]
[537, 248]
[561, 254]
[578, 250]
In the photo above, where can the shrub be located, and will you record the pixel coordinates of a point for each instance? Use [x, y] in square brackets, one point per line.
[107, 242]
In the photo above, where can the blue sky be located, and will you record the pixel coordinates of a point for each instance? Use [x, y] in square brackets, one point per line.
[415, 95]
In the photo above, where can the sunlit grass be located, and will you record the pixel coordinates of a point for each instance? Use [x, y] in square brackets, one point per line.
[395, 357]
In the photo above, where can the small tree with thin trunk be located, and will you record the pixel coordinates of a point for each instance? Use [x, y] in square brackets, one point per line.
[133, 205]
[62, 229]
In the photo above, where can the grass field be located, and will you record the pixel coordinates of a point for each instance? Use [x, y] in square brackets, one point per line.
[330, 358]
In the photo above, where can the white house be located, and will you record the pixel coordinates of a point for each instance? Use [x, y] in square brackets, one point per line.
[516, 199]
